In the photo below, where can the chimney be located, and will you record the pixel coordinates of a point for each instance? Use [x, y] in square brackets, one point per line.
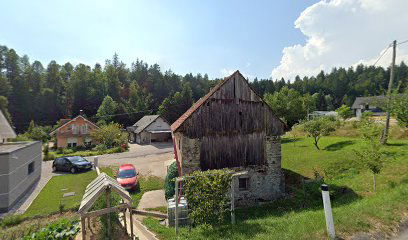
[81, 112]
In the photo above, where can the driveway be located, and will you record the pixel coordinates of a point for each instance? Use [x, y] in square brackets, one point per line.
[148, 159]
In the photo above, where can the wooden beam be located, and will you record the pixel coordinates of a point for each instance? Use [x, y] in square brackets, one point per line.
[151, 214]
[108, 191]
[83, 227]
[131, 223]
[105, 211]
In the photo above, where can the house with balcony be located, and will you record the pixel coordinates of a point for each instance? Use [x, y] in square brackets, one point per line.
[74, 132]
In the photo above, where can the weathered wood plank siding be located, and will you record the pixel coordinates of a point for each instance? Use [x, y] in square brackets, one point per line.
[218, 152]
[226, 117]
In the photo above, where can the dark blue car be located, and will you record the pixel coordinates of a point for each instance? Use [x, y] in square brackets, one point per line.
[71, 164]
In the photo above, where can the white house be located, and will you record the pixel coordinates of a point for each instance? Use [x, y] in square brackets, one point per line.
[150, 128]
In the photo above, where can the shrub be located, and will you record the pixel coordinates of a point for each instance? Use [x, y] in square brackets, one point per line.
[52, 156]
[68, 151]
[110, 135]
[11, 220]
[344, 112]
[100, 148]
[64, 230]
[207, 195]
[170, 180]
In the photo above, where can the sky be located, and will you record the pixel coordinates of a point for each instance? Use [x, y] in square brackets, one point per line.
[280, 38]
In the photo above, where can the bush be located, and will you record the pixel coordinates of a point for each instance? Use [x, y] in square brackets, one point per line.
[344, 112]
[170, 180]
[64, 230]
[68, 151]
[110, 135]
[207, 197]
[11, 220]
[51, 156]
[114, 150]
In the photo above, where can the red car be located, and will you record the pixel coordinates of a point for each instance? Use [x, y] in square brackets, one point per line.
[127, 176]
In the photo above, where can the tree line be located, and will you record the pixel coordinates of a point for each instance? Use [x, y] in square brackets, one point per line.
[45, 94]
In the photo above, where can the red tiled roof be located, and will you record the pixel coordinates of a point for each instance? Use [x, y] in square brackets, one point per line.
[200, 102]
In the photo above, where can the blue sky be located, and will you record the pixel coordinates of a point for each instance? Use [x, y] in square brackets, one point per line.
[278, 38]
[214, 37]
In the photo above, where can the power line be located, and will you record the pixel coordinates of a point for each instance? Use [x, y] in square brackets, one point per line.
[385, 51]
[400, 43]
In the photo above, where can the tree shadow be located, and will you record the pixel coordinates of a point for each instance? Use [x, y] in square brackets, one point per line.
[289, 140]
[247, 230]
[397, 144]
[339, 145]
[302, 194]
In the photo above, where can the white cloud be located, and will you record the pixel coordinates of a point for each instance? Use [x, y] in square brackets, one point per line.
[343, 33]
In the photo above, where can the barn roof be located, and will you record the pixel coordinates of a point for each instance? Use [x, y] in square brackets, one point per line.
[202, 100]
[367, 100]
[6, 131]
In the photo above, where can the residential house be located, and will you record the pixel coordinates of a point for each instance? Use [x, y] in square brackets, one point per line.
[150, 128]
[232, 127]
[20, 166]
[315, 114]
[369, 104]
[74, 132]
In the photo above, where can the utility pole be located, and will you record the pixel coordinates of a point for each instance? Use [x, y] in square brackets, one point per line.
[384, 136]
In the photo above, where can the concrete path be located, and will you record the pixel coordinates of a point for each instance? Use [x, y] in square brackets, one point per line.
[148, 159]
[152, 199]
[32, 193]
[139, 230]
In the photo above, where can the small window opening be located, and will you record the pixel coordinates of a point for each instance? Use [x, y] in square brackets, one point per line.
[243, 184]
[240, 113]
[30, 168]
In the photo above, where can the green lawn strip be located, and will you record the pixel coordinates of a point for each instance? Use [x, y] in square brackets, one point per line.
[269, 222]
[356, 209]
[50, 197]
[162, 209]
[146, 183]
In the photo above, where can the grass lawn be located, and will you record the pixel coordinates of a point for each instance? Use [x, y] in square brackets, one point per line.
[355, 207]
[50, 198]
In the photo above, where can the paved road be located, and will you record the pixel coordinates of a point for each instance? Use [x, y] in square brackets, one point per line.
[148, 159]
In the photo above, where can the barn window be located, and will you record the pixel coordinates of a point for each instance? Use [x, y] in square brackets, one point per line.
[30, 168]
[243, 183]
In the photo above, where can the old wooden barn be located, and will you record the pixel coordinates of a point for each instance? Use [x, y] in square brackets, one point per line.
[232, 127]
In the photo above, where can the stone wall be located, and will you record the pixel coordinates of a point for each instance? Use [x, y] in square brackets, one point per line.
[190, 154]
[265, 183]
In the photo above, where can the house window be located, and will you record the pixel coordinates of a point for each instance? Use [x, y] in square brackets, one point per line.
[87, 141]
[30, 168]
[74, 129]
[72, 142]
[84, 129]
[243, 183]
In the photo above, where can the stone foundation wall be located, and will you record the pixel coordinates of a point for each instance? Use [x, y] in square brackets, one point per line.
[265, 183]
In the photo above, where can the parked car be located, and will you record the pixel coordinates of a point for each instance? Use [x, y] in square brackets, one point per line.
[127, 176]
[71, 164]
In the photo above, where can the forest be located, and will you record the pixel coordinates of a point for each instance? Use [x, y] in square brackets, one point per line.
[32, 91]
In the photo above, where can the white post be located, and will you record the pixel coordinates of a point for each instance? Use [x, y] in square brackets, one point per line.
[233, 200]
[96, 162]
[176, 189]
[328, 211]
